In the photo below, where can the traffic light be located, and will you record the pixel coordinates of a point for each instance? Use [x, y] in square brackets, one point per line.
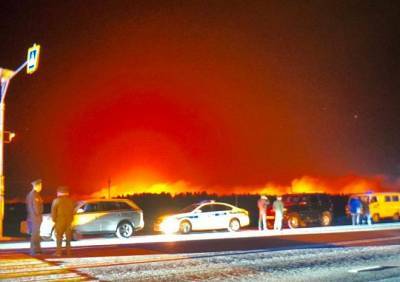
[6, 74]
[8, 136]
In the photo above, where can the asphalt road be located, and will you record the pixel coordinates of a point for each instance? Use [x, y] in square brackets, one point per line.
[388, 233]
[360, 253]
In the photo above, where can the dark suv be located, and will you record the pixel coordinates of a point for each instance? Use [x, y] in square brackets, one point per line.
[302, 210]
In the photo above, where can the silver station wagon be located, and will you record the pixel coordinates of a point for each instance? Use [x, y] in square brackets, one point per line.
[121, 217]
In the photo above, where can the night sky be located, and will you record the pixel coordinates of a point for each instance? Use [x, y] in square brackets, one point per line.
[223, 96]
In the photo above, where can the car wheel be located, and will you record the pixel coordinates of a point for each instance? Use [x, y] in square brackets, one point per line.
[46, 238]
[76, 236]
[376, 218]
[396, 217]
[234, 225]
[53, 235]
[124, 230]
[326, 219]
[185, 227]
[294, 221]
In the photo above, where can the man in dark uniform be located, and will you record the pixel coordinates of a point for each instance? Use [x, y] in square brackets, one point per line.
[34, 206]
[62, 213]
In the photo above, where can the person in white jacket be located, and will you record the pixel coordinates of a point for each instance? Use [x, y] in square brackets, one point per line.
[278, 209]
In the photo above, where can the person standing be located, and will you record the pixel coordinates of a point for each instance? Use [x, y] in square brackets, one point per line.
[62, 213]
[262, 205]
[278, 208]
[34, 207]
[355, 210]
[365, 210]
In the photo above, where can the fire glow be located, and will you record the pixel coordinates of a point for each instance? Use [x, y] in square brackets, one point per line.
[306, 184]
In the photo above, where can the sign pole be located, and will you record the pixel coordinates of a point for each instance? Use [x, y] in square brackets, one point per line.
[5, 76]
[4, 86]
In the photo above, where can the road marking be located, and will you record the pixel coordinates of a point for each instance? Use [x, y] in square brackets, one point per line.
[345, 243]
[128, 260]
[22, 267]
[370, 268]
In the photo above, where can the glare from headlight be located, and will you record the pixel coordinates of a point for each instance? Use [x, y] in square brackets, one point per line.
[169, 225]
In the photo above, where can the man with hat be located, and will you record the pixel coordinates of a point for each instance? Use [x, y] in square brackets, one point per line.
[262, 205]
[62, 213]
[34, 207]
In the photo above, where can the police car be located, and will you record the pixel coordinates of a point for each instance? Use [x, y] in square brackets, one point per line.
[206, 215]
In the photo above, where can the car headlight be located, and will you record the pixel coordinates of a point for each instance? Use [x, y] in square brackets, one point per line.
[169, 225]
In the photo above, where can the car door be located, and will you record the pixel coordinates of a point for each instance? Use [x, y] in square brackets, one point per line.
[205, 220]
[315, 208]
[396, 205]
[86, 219]
[109, 216]
[221, 216]
[309, 208]
[374, 205]
[388, 210]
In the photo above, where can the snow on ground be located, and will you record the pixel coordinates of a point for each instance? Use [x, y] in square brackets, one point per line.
[161, 238]
[308, 264]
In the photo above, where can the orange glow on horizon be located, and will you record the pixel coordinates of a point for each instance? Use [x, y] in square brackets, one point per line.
[305, 184]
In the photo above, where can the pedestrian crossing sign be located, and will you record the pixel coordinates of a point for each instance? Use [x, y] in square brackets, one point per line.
[32, 59]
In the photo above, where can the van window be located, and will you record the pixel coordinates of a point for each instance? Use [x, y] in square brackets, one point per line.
[395, 198]
[388, 199]
[373, 199]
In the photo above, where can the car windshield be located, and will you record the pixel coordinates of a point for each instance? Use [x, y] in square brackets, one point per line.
[189, 208]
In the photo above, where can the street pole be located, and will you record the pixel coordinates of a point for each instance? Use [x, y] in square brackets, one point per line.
[5, 81]
[31, 64]
[109, 188]
[4, 86]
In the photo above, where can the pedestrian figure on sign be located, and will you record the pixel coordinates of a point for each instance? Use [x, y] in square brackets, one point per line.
[34, 206]
[278, 209]
[262, 204]
[355, 208]
[62, 213]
